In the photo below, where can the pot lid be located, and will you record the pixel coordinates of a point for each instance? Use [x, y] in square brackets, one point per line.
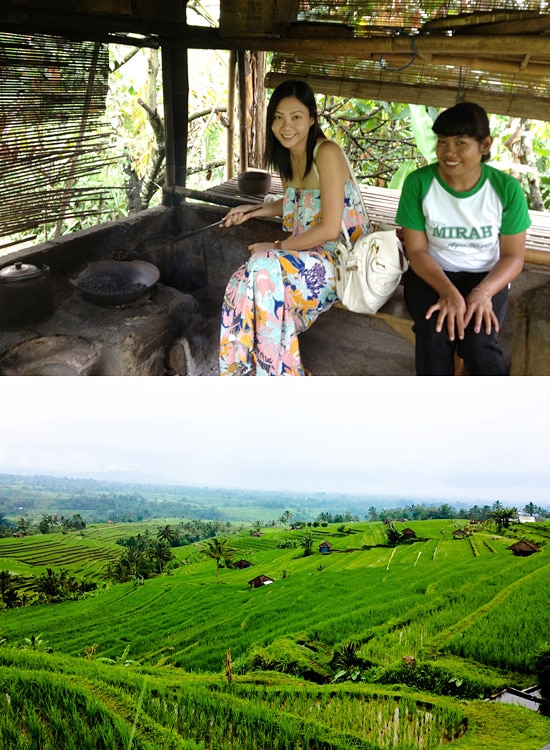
[20, 271]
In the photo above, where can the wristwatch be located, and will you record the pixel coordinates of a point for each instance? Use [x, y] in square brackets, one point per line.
[278, 245]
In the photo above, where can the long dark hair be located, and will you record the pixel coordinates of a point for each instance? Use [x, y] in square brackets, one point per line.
[276, 155]
[465, 118]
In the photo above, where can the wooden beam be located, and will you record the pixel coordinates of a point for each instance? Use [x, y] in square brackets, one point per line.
[177, 33]
[521, 67]
[532, 26]
[476, 19]
[364, 47]
[431, 95]
[20, 21]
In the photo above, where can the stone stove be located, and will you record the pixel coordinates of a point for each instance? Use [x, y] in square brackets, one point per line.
[82, 338]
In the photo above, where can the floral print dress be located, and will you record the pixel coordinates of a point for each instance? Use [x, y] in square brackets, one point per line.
[279, 294]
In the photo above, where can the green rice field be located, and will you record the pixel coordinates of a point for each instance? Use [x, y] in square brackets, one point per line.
[465, 610]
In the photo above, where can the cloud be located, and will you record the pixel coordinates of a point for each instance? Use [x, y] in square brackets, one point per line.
[395, 435]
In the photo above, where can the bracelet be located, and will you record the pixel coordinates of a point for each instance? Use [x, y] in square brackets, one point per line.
[278, 245]
[479, 289]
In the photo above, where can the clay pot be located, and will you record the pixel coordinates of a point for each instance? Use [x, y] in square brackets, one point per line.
[254, 182]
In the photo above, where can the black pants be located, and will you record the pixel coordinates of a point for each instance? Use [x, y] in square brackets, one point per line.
[434, 353]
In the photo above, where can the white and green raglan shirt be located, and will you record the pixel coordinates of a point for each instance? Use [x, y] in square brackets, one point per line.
[463, 228]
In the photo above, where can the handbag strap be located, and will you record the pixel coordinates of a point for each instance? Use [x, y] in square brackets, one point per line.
[353, 177]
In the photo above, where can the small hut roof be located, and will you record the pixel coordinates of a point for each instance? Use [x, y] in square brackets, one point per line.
[524, 545]
[260, 579]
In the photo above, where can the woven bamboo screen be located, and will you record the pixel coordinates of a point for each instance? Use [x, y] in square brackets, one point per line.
[446, 53]
[407, 15]
[52, 133]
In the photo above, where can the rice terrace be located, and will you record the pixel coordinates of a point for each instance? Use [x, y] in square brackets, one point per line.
[313, 630]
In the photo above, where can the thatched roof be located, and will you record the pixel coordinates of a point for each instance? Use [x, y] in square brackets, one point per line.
[427, 52]
[242, 564]
[261, 580]
[460, 533]
[524, 547]
[418, 51]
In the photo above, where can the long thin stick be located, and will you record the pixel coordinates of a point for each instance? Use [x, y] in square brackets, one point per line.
[210, 226]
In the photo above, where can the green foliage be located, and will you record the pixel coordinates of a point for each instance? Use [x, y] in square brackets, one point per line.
[53, 586]
[403, 171]
[377, 136]
[121, 660]
[393, 535]
[286, 655]
[431, 678]
[306, 542]
[219, 550]
[424, 137]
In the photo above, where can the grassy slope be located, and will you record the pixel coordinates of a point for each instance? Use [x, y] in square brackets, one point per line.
[415, 600]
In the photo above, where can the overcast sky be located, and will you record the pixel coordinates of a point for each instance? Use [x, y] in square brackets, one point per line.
[457, 439]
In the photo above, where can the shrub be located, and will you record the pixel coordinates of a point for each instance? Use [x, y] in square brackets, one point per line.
[433, 679]
[287, 656]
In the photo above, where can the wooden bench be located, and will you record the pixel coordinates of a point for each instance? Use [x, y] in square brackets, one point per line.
[381, 204]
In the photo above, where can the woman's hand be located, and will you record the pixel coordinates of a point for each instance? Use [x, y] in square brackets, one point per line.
[479, 308]
[451, 307]
[240, 214]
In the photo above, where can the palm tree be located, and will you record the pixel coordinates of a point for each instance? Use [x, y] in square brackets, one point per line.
[167, 534]
[161, 553]
[285, 517]
[48, 584]
[217, 549]
[393, 535]
[503, 516]
[531, 509]
[372, 513]
[23, 525]
[5, 582]
[307, 543]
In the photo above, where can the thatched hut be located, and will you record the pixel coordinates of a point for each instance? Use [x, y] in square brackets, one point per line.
[524, 548]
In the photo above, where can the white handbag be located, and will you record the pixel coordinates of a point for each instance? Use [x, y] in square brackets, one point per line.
[369, 271]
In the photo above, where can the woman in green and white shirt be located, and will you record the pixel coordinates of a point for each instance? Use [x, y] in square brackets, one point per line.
[464, 225]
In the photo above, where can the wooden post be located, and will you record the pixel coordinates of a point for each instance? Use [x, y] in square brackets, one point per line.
[175, 81]
[243, 112]
[229, 170]
[259, 109]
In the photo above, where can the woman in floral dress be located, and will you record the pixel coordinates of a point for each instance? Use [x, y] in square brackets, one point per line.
[288, 283]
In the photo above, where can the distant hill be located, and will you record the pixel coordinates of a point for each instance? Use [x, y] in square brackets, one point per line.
[130, 496]
[127, 477]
